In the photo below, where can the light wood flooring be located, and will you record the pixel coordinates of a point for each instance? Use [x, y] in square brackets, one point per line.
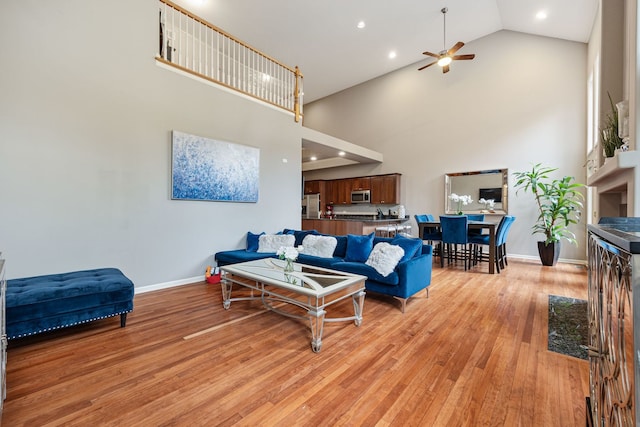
[472, 354]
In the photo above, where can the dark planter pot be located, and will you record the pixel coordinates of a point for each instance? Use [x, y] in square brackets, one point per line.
[549, 253]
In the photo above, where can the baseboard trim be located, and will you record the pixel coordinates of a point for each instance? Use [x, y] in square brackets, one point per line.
[166, 285]
[536, 258]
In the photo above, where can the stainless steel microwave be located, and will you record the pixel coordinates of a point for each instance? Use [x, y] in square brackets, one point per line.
[361, 196]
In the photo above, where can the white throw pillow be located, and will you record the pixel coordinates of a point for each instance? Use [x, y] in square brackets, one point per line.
[384, 257]
[273, 242]
[321, 246]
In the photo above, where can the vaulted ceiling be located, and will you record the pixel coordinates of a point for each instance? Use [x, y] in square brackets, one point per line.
[322, 38]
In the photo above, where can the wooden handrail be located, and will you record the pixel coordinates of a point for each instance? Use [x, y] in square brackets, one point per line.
[242, 80]
[223, 32]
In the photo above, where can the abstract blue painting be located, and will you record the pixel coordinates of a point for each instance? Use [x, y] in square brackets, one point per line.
[206, 169]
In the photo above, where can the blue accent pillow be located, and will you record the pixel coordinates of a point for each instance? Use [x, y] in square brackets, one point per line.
[411, 246]
[253, 240]
[341, 246]
[300, 235]
[288, 231]
[359, 247]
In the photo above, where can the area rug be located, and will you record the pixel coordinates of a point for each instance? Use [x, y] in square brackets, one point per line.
[568, 326]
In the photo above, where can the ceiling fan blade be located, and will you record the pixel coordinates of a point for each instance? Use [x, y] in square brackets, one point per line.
[467, 56]
[425, 66]
[445, 69]
[455, 48]
[431, 54]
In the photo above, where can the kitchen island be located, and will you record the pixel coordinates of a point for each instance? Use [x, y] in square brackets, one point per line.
[350, 225]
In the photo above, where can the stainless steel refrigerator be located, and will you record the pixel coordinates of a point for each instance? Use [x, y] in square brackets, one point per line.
[311, 206]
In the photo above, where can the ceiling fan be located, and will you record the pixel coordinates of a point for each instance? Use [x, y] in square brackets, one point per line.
[445, 56]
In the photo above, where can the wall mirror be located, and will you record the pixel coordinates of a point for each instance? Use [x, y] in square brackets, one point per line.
[491, 184]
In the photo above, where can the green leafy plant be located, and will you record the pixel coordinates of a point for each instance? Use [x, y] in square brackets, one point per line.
[559, 202]
[609, 136]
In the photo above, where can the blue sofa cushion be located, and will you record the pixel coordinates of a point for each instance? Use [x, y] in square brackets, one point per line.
[317, 261]
[42, 303]
[341, 247]
[253, 241]
[359, 247]
[301, 234]
[411, 246]
[365, 270]
[241, 255]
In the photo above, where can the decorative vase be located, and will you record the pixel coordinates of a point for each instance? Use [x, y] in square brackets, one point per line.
[288, 265]
[549, 253]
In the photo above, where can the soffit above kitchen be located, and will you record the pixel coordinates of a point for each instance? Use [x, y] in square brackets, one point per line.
[330, 152]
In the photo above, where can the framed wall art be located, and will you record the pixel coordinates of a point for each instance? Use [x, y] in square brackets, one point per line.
[207, 169]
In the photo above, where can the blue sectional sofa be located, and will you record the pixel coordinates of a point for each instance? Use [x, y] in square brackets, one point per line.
[411, 274]
[43, 303]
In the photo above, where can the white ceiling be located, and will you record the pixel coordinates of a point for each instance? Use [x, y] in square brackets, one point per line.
[320, 36]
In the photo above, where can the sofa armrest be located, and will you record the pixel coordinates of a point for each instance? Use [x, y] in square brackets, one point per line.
[414, 274]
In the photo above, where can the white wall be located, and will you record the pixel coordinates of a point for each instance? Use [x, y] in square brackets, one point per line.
[86, 118]
[521, 101]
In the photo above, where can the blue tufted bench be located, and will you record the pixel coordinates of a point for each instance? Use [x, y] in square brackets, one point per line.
[43, 303]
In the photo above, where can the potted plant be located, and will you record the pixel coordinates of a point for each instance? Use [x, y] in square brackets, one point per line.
[559, 204]
[609, 136]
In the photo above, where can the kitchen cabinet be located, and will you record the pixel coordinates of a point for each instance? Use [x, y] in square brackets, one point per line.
[313, 187]
[338, 191]
[330, 192]
[361, 183]
[385, 189]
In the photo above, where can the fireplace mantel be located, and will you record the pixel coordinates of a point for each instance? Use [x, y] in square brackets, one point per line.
[619, 176]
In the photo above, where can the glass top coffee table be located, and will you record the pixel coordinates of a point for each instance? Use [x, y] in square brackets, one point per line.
[313, 289]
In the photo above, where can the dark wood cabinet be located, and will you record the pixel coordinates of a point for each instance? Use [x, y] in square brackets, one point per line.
[312, 187]
[330, 192]
[385, 189]
[362, 183]
[338, 191]
[343, 190]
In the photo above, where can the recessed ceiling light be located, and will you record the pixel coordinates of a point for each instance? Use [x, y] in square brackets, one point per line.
[361, 25]
[313, 158]
[341, 153]
[392, 54]
[541, 15]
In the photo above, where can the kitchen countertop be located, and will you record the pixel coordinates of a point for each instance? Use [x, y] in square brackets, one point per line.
[376, 220]
[622, 232]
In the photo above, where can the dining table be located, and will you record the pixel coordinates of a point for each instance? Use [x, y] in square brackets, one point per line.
[473, 225]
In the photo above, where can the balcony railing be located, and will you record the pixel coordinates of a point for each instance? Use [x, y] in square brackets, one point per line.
[193, 45]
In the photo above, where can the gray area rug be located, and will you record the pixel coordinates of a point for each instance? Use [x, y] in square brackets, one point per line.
[568, 326]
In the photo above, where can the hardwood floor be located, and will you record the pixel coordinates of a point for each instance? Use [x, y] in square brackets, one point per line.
[472, 354]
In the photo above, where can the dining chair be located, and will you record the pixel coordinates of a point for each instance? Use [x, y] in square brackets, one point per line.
[501, 242]
[475, 231]
[455, 231]
[430, 234]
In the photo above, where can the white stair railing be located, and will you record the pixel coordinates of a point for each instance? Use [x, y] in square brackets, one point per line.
[191, 44]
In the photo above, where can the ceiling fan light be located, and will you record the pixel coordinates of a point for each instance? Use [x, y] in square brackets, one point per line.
[444, 61]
